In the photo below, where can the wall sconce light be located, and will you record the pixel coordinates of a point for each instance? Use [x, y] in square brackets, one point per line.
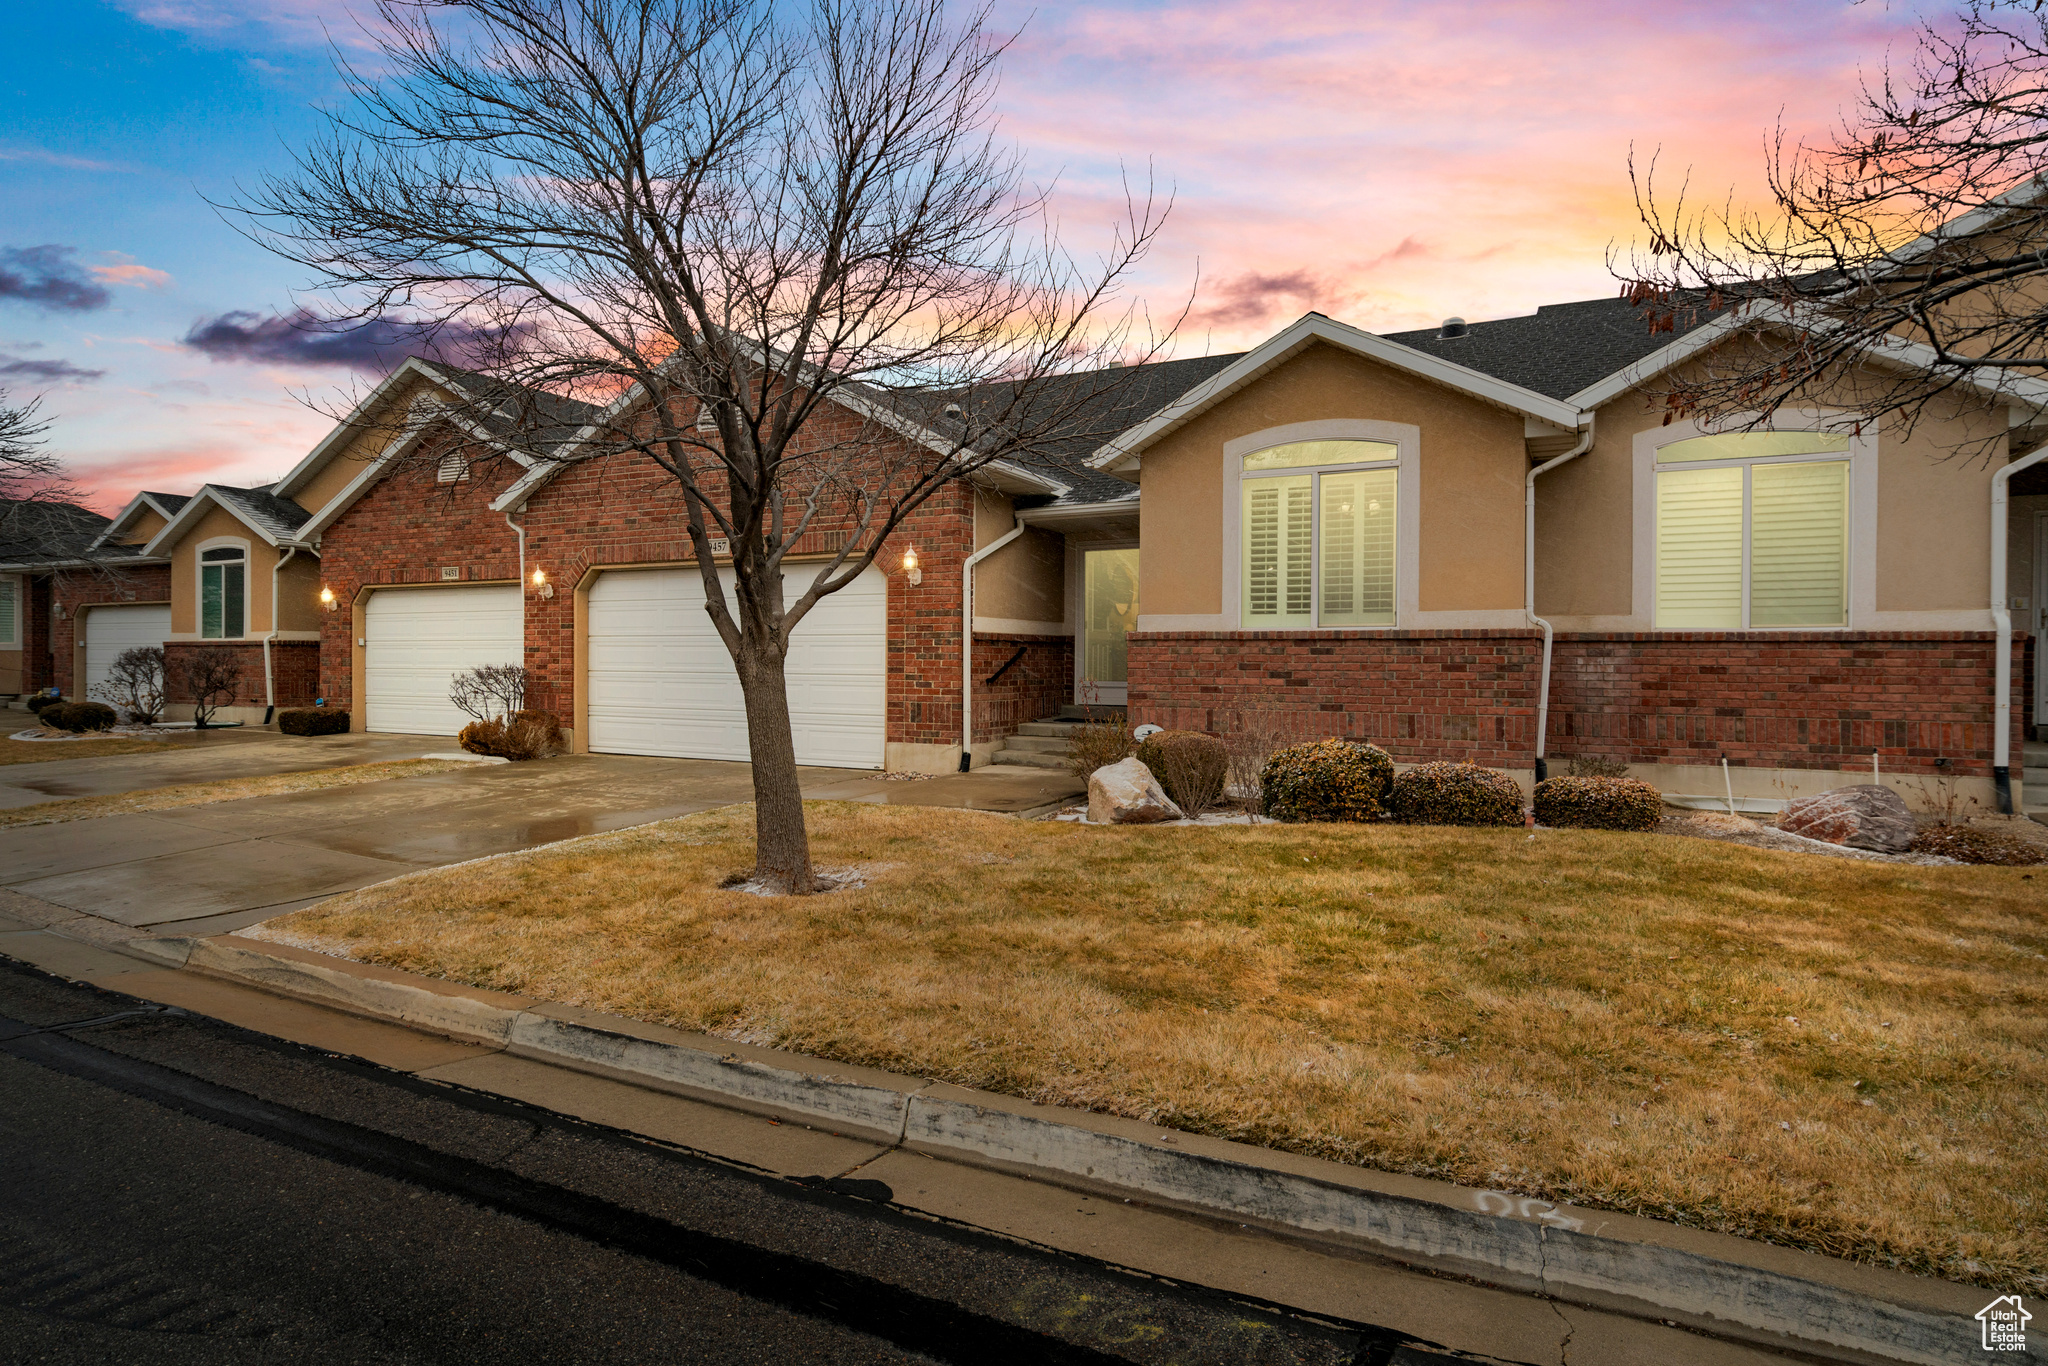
[910, 569]
[541, 586]
[327, 598]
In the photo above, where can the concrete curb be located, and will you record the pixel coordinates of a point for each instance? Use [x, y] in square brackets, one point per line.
[1728, 1286]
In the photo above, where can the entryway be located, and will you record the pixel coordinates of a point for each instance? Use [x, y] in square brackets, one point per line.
[1109, 613]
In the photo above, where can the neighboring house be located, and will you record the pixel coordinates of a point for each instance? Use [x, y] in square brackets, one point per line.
[1324, 535]
[76, 590]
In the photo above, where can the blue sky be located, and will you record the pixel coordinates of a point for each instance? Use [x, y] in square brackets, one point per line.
[1389, 164]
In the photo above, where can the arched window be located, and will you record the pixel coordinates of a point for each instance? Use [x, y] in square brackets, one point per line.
[223, 575]
[1318, 534]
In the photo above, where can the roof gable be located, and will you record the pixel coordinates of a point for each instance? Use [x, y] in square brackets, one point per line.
[275, 519]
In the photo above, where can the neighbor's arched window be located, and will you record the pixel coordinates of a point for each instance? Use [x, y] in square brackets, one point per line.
[1753, 531]
[1318, 534]
[223, 574]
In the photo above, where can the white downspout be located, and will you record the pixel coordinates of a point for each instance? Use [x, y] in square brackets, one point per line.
[2001, 622]
[520, 532]
[269, 685]
[967, 641]
[1529, 586]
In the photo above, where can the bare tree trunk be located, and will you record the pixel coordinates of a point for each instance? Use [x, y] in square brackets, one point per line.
[782, 846]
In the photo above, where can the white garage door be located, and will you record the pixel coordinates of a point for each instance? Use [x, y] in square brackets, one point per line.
[416, 639]
[662, 683]
[110, 630]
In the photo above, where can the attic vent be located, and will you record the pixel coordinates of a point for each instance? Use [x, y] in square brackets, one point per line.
[1453, 327]
[705, 421]
[954, 411]
[453, 468]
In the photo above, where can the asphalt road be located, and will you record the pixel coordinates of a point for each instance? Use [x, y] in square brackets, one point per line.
[179, 1190]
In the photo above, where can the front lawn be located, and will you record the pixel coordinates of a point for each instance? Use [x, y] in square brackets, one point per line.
[1834, 1055]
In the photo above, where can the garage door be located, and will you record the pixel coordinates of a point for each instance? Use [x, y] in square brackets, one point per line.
[110, 630]
[662, 683]
[416, 639]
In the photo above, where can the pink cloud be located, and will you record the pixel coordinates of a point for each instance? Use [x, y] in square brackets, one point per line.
[131, 274]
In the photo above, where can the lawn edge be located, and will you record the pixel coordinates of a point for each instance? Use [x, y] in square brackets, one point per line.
[1718, 1283]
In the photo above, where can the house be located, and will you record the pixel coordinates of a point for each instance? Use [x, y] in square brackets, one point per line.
[76, 590]
[1483, 541]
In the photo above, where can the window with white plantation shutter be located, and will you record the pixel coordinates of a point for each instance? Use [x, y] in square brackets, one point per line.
[10, 629]
[1752, 543]
[1357, 549]
[1277, 544]
[1318, 541]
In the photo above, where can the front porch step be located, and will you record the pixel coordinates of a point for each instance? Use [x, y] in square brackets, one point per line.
[1102, 710]
[1039, 744]
[1061, 730]
[1030, 758]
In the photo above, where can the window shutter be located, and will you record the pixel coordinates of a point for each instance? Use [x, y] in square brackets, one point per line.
[1799, 544]
[1358, 549]
[8, 612]
[1277, 544]
[1699, 549]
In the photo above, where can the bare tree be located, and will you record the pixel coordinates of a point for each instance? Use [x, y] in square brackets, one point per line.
[39, 513]
[1923, 218]
[489, 692]
[211, 677]
[135, 683]
[783, 244]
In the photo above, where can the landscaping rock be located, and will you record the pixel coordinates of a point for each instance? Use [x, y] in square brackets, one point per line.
[1126, 793]
[1863, 817]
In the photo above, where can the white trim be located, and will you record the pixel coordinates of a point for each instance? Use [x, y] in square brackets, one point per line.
[174, 530]
[1863, 473]
[1407, 441]
[1011, 626]
[349, 425]
[199, 588]
[373, 470]
[1123, 450]
[135, 505]
[13, 643]
[1080, 513]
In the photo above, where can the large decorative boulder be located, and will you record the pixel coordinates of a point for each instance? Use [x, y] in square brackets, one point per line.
[1126, 793]
[1863, 817]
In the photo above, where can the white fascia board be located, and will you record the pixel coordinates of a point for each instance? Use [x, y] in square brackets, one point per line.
[174, 530]
[318, 456]
[1079, 512]
[2029, 191]
[1315, 327]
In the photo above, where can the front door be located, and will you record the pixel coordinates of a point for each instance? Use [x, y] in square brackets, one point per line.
[1109, 613]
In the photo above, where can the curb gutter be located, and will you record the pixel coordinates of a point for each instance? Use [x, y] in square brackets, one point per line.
[1728, 1286]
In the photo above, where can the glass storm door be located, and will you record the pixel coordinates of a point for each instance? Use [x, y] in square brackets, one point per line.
[1109, 613]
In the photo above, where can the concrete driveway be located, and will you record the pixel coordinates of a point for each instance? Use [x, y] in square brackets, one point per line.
[211, 869]
[200, 757]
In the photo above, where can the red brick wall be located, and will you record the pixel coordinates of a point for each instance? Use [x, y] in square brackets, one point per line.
[76, 589]
[1764, 699]
[1036, 686]
[178, 657]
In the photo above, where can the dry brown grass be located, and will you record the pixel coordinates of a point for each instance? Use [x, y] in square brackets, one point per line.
[43, 751]
[223, 790]
[1671, 1027]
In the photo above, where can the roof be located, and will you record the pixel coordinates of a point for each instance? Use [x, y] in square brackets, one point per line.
[39, 533]
[1560, 349]
[276, 519]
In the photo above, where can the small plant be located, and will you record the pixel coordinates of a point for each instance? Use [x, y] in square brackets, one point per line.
[1456, 794]
[1247, 749]
[1191, 767]
[1594, 766]
[523, 735]
[1099, 743]
[78, 716]
[1944, 800]
[1326, 780]
[135, 683]
[212, 679]
[313, 721]
[1973, 844]
[1587, 803]
[490, 692]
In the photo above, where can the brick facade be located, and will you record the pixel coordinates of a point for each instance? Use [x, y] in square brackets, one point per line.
[1808, 700]
[76, 589]
[1036, 680]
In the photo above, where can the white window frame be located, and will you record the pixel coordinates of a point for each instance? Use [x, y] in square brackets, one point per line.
[1407, 442]
[199, 588]
[13, 620]
[1862, 548]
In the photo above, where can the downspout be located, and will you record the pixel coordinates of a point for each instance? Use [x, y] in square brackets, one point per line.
[269, 684]
[2001, 622]
[1529, 587]
[520, 532]
[967, 641]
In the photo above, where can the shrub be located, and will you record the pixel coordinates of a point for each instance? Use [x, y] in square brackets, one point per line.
[1191, 767]
[313, 721]
[490, 692]
[1595, 766]
[79, 716]
[1100, 743]
[1248, 748]
[1971, 844]
[1326, 780]
[135, 683]
[41, 700]
[1599, 803]
[212, 678]
[1456, 794]
[525, 735]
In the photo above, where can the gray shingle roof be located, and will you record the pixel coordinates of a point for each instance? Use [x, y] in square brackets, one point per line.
[169, 502]
[1560, 348]
[280, 517]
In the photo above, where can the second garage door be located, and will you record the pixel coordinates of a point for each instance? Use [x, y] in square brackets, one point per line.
[661, 682]
[417, 639]
[110, 630]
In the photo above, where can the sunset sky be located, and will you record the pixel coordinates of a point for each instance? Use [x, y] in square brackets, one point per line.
[1388, 164]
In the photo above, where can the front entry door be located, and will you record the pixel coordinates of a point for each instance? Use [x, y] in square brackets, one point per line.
[1109, 612]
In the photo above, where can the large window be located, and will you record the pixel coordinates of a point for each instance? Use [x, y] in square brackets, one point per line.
[1753, 531]
[222, 575]
[1319, 538]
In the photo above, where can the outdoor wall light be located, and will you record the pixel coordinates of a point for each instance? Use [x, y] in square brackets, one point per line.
[910, 569]
[541, 586]
[327, 597]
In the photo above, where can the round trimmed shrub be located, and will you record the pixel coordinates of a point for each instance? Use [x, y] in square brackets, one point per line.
[79, 716]
[42, 700]
[1598, 804]
[1191, 766]
[1444, 793]
[313, 721]
[1326, 780]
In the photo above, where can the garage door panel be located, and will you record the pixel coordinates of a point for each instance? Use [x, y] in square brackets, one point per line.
[111, 630]
[418, 639]
[661, 682]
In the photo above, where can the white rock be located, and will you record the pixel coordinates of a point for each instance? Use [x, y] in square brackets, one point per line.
[1126, 793]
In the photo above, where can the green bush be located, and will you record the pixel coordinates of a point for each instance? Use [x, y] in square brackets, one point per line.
[1599, 803]
[1326, 780]
[1191, 767]
[79, 716]
[1456, 794]
[313, 721]
[41, 700]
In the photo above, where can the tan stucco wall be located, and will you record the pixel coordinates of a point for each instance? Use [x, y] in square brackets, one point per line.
[185, 573]
[298, 593]
[1024, 581]
[147, 524]
[1585, 514]
[366, 445]
[994, 514]
[1471, 463]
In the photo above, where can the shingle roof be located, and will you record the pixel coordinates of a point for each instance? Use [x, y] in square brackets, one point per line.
[169, 502]
[1559, 349]
[39, 532]
[280, 517]
[536, 417]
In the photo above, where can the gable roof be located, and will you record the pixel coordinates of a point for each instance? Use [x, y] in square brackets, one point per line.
[277, 520]
[1560, 349]
[38, 533]
[164, 505]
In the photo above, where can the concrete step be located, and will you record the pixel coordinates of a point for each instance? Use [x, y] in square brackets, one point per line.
[1039, 744]
[1047, 728]
[1078, 713]
[1030, 758]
